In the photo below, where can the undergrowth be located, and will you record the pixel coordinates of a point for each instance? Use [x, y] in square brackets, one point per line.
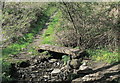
[104, 55]
[21, 44]
[24, 41]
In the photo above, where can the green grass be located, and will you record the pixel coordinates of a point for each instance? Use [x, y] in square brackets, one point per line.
[48, 36]
[104, 55]
[5, 72]
[22, 43]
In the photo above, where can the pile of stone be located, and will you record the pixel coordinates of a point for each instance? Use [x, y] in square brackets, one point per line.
[44, 69]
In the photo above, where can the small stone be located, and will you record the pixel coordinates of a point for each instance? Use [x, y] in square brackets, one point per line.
[55, 71]
[23, 76]
[29, 52]
[32, 68]
[32, 57]
[35, 61]
[49, 70]
[45, 76]
[64, 68]
[35, 71]
[33, 75]
[52, 60]
[54, 64]
[58, 63]
[45, 80]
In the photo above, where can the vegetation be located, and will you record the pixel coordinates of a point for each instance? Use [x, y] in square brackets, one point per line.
[92, 26]
[104, 55]
[20, 42]
[48, 36]
[65, 58]
[26, 39]
[88, 26]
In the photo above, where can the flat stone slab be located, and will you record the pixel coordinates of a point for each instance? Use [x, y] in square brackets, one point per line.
[65, 50]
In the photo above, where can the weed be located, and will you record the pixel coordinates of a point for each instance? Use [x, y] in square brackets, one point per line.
[65, 58]
[5, 72]
[104, 55]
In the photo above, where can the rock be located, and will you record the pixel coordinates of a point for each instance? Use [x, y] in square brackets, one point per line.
[54, 64]
[32, 67]
[55, 71]
[45, 80]
[35, 71]
[64, 68]
[58, 63]
[24, 64]
[33, 75]
[49, 70]
[84, 66]
[84, 69]
[32, 57]
[58, 49]
[45, 76]
[75, 63]
[92, 77]
[23, 76]
[52, 60]
[35, 61]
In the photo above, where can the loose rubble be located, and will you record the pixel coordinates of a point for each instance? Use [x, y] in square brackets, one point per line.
[46, 69]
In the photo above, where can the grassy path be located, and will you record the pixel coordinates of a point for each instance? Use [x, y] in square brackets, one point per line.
[38, 38]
